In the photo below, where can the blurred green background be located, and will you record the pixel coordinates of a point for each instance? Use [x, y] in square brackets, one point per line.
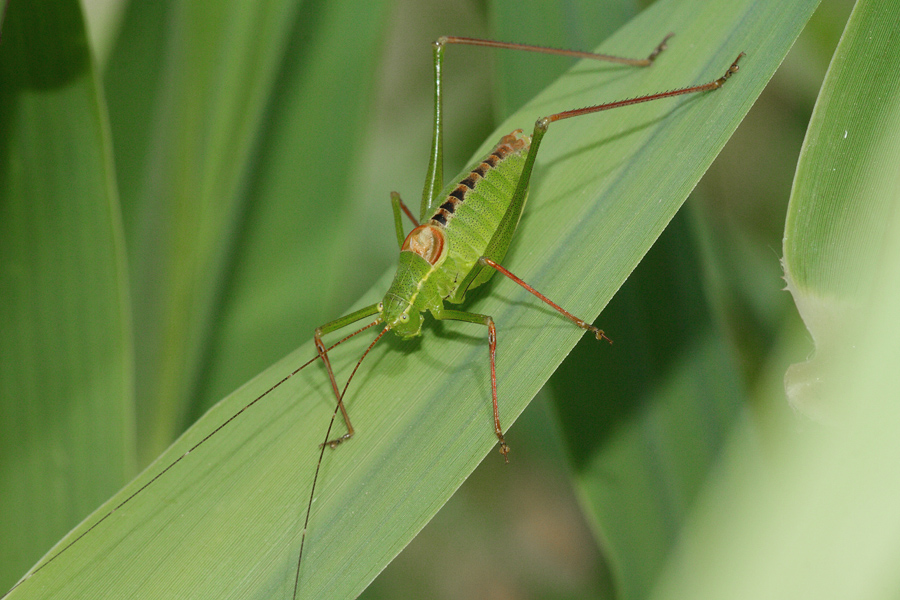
[213, 285]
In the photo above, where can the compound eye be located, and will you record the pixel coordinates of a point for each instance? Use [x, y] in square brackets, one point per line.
[380, 307]
[404, 317]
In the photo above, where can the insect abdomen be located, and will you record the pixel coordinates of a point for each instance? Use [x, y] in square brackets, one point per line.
[476, 202]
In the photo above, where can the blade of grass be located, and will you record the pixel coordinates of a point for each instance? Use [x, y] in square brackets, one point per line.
[841, 201]
[66, 426]
[227, 524]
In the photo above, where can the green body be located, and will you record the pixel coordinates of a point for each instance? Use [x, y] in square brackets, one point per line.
[469, 219]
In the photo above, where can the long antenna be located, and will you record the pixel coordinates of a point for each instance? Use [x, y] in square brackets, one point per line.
[325, 444]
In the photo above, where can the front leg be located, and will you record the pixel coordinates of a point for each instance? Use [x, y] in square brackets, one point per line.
[323, 354]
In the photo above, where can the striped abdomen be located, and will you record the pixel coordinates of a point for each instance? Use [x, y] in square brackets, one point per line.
[474, 205]
[487, 169]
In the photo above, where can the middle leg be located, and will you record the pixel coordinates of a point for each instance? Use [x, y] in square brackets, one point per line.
[459, 315]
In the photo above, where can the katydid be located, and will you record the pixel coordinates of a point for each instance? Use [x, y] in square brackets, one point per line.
[458, 242]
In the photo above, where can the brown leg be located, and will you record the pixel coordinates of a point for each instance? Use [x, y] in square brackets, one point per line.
[579, 322]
